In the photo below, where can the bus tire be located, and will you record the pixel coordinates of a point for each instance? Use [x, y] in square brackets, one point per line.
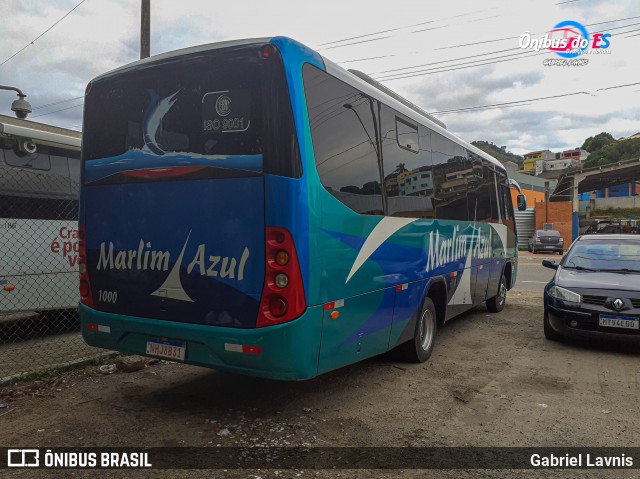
[419, 349]
[496, 304]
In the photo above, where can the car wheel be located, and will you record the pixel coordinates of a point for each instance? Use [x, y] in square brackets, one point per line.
[496, 304]
[419, 349]
[549, 332]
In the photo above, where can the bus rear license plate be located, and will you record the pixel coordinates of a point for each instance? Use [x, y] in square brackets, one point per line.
[174, 350]
[619, 322]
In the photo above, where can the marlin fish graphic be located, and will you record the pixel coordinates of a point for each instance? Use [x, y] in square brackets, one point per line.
[153, 119]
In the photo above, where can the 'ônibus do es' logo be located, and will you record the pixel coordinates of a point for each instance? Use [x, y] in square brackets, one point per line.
[223, 105]
[568, 39]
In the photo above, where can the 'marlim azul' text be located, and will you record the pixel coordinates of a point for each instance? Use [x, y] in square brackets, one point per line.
[144, 258]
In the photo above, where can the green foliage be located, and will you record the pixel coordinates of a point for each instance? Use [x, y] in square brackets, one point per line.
[617, 212]
[613, 151]
[497, 152]
[594, 143]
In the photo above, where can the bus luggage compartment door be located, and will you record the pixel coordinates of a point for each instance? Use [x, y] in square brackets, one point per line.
[360, 330]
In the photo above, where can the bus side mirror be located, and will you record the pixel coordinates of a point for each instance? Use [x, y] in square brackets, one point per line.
[522, 202]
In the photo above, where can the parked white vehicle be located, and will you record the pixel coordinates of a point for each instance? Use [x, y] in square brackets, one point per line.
[39, 178]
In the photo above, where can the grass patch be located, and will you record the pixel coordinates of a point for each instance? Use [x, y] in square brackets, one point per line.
[617, 212]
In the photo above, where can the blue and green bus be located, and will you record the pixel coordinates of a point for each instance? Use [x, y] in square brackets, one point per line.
[252, 207]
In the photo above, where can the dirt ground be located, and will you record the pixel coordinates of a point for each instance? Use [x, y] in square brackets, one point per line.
[493, 380]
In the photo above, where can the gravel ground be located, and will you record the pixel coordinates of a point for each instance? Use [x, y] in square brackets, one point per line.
[493, 380]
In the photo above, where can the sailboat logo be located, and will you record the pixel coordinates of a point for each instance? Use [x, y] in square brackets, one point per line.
[172, 286]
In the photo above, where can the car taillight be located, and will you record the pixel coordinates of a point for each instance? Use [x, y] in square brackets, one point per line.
[85, 286]
[283, 291]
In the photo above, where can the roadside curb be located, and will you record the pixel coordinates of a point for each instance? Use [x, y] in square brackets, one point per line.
[76, 363]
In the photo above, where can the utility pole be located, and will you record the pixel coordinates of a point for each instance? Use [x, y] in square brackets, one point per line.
[546, 201]
[145, 29]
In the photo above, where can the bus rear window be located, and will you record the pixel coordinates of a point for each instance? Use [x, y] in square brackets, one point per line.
[212, 103]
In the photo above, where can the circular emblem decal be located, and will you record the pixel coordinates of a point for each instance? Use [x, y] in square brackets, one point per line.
[223, 105]
[618, 304]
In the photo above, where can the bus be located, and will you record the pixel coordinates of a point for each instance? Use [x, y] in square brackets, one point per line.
[39, 189]
[252, 207]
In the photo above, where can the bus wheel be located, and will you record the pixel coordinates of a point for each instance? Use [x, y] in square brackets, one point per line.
[421, 346]
[496, 304]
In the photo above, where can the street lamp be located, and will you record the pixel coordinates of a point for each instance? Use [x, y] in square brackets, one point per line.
[20, 107]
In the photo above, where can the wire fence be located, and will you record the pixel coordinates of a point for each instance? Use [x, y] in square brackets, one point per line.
[39, 323]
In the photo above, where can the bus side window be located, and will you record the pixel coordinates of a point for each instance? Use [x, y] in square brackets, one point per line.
[344, 141]
[507, 203]
[408, 174]
[407, 135]
[453, 178]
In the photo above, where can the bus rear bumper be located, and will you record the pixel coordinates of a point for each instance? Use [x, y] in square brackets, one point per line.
[286, 351]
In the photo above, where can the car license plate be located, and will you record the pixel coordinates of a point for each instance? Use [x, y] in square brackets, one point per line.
[174, 350]
[619, 322]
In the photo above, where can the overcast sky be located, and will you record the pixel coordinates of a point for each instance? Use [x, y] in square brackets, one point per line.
[450, 40]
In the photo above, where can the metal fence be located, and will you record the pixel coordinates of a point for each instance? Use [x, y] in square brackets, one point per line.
[39, 324]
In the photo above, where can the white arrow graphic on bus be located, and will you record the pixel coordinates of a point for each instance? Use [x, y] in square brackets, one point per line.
[381, 233]
[172, 286]
[462, 294]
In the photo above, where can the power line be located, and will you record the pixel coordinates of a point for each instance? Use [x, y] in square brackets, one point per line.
[447, 61]
[458, 67]
[461, 66]
[399, 28]
[57, 111]
[57, 102]
[617, 86]
[477, 55]
[507, 103]
[491, 108]
[470, 63]
[357, 43]
[42, 34]
[513, 38]
[520, 102]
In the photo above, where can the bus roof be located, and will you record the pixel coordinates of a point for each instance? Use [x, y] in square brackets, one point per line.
[183, 51]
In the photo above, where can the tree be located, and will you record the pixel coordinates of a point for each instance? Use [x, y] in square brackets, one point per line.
[597, 142]
[400, 168]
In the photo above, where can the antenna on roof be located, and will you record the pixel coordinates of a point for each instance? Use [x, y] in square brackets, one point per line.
[404, 101]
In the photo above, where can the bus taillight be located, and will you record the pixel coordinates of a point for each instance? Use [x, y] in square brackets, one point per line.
[85, 286]
[283, 292]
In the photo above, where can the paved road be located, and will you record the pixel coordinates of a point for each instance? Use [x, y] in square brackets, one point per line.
[532, 276]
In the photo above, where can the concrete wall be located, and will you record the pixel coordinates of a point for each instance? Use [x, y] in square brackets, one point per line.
[559, 215]
[606, 203]
[532, 196]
